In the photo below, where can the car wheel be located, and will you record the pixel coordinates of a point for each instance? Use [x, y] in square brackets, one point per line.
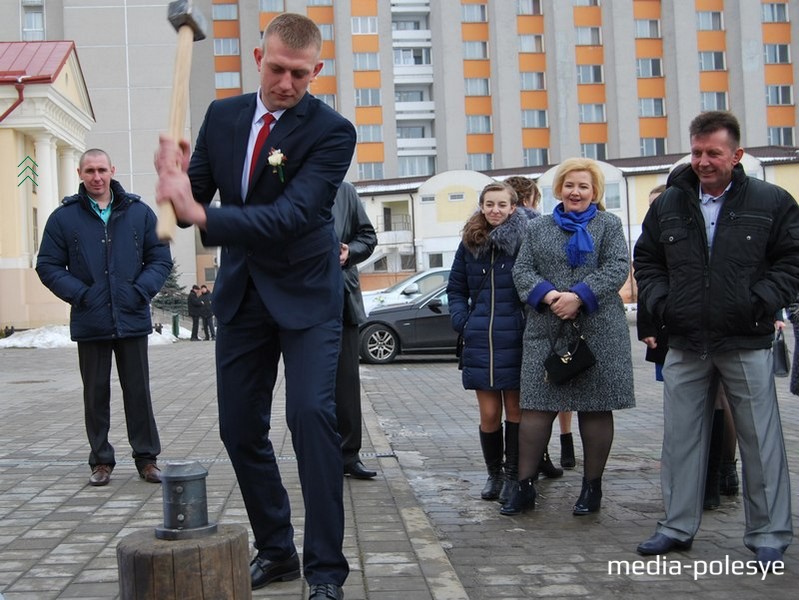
[379, 345]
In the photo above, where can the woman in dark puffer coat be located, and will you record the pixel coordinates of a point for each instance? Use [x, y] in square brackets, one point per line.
[486, 310]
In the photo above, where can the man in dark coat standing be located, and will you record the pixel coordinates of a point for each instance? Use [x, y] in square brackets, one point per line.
[101, 254]
[358, 240]
[195, 305]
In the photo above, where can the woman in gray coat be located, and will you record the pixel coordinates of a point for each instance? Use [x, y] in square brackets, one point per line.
[569, 270]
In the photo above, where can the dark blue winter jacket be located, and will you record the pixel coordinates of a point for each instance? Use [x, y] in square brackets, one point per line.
[108, 273]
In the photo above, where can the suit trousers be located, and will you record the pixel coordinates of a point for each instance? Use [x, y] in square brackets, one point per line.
[248, 350]
[133, 368]
[348, 394]
[688, 414]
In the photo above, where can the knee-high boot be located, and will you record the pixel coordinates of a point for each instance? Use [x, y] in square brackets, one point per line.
[492, 454]
[511, 460]
[567, 460]
[712, 490]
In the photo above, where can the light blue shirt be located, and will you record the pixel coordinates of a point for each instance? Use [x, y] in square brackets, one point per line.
[255, 127]
[711, 209]
[105, 213]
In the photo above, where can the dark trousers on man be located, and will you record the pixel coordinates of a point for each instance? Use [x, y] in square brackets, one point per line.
[348, 395]
[195, 327]
[248, 350]
[208, 328]
[133, 368]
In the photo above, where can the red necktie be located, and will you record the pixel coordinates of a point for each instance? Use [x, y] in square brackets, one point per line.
[259, 141]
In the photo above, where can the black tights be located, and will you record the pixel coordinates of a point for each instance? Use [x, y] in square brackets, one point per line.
[596, 433]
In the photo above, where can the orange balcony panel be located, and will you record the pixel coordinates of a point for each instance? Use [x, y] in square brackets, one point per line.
[530, 24]
[472, 1]
[779, 74]
[366, 79]
[324, 85]
[227, 93]
[593, 93]
[714, 81]
[781, 116]
[532, 62]
[368, 115]
[535, 138]
[704, 5]
[321, 14]
[363, 8]
[264, 18]
[226, 29]
[365, 43]
[480, 143]
[777, 33]
[370, 152]
[328, 49]
[538, 99]
[474, 32]
[587, 16]
[478, 105]
[477, 68]
[657, 127]
[646, 48]
[652, 87]
[707, 41]
[589, 55]
[646, 9]
[593, 133]
[227, 63]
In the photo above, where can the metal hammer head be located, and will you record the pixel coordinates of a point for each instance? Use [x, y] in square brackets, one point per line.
[181, 13]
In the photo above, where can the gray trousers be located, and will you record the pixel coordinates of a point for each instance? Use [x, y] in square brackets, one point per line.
[688, 406]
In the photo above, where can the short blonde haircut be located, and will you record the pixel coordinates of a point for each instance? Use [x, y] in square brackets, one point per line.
[570, 165]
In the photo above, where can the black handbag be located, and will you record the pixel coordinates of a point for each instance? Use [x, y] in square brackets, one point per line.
[561, 368]
[779, 350]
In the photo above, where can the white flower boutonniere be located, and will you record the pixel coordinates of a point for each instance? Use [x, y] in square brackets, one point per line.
[277, 159]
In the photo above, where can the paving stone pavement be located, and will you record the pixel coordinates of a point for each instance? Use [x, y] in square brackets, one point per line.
[418, 531]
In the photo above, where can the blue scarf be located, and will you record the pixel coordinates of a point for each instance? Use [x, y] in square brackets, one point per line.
[581, 244]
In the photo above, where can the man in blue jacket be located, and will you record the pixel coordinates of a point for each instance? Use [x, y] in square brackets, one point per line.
[100, 253]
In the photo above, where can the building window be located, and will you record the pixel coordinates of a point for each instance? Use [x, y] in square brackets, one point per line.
[713, 100]
[456, 197]
[711, 61]
[535, 157]
[709, 21]
[528, 7]
[407, 24]
[531, 43]
[778, 95]
[328, 66]
[365, 61]
[595, 151]
[370, 133]
[367, 97]
[534, 119]
[775, 12]
[407, 262]
[475, 50]
[224, 12]
[408, 95]
[588, 36]
[226, 47]
[327, 31]
[435, 260]
[478, 124]
[776, 54]
[412, 56]
[589, 73]
[780, 136]
[647, 28]
[479, 162]
[227, 80]
[477, 86]
[320, 2]
[532, 81]
[329, 99]
[653, 146]
[370, 170]
[381, 264]
[427, 199]
[272, 6]
[412, 166]
[592, 113]
[612, 196]
[33, 23]
[648, 67]
[408, 132]
[474, 13]
[585, 2]
[364, 25]
[651, 107]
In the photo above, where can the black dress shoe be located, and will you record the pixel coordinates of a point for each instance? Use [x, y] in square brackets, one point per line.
[661, 544]
[264, 571]
[325, 591]
[358, 471]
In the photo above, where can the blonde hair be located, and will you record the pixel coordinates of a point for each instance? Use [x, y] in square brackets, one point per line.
[570, 165]
[296, 31]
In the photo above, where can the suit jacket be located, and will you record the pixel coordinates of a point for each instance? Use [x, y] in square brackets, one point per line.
[281, 235]
[353, 228]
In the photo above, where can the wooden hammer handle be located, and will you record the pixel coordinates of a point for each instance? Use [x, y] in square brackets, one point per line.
[167, 222]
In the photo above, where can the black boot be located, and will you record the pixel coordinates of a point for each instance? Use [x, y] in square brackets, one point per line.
[511, 460]
[567, 460]
[590, 497]
[728, 476]
[492, 453]
[545, 467]
[521, 499]
[712, 491]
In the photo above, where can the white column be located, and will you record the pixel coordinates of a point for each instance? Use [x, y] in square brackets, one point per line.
[67, 172]
[46, 179]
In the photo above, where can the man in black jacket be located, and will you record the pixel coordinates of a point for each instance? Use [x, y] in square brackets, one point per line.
[717, 257]
[358, 240]
[195, 306]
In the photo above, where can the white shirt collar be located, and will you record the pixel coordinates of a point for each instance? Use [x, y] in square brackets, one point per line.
[261, 110]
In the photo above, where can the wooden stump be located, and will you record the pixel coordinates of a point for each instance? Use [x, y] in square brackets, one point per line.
[209, 568]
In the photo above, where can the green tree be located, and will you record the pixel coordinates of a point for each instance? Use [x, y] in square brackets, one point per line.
[172, 297]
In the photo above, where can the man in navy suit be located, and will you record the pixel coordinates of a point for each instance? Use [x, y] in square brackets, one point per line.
[279, 291]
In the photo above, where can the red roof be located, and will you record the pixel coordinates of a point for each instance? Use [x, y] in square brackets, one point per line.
[38, 61]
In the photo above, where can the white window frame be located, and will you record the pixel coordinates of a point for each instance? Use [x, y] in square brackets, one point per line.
[780, 136]
[588, 74]
[775, 12]
[478, 124]
[647, 28]
[652, 146]
[651, 107]
[532, 81]
[370, 133]
[779, 95]
[710, 101]
[365, 61]
[531, 43]
[477, 86]
[474, 13]
[776, 54]
[226, 47]
[709, 20]
[529, 7]
[227, 80]
[596, 151]
[370, 171]
[224, 12]
[482, 161]
[535, 157]
[712, 60]
[588, 36]
[475, 50]
[592, 113]
[364, 25]
[368, 97]
[649, 72]
[534, 119]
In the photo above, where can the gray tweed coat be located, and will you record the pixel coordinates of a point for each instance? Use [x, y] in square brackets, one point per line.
[608, 385]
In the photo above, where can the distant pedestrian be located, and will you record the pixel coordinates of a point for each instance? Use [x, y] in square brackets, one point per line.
[195, 311]
[207, 313]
